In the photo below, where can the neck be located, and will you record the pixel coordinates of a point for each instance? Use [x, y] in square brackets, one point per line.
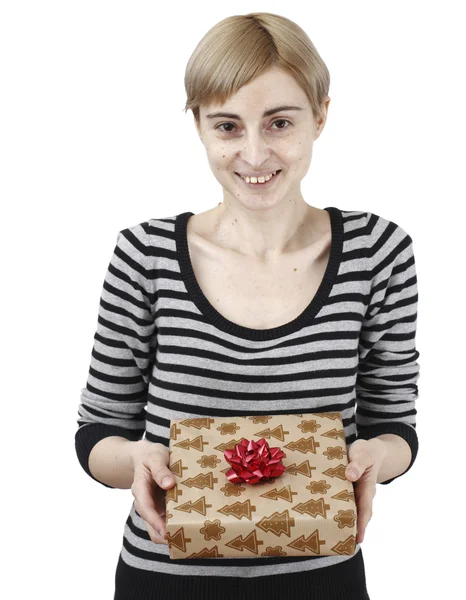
[264, 234]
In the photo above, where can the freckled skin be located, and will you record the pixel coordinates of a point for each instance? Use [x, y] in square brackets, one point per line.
[268, 221]
[260, 255]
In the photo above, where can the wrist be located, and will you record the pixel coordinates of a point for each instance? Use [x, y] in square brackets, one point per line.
[135, 449]
[396, 459]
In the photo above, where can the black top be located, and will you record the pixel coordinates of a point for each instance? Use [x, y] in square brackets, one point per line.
[344, 581]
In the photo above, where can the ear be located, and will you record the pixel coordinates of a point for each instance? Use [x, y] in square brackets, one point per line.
[323, 119]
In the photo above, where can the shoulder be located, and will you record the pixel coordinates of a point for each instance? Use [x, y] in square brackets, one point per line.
[389, 246]
[149, 234]
[377, 229]
[384, 230]
[146, 229]
[380, 242]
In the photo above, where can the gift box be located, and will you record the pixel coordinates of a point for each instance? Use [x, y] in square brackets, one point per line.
[293, 499]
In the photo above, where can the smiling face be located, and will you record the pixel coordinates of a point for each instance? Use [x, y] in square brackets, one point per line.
[248, 136]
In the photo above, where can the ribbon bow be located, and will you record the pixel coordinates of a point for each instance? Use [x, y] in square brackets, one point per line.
[252, 462]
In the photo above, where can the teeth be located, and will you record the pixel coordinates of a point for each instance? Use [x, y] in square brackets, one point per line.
[259, 179]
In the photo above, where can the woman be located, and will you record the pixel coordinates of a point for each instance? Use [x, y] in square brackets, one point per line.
[263, 304]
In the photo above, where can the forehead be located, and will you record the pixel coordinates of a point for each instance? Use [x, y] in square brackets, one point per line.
[274, 89]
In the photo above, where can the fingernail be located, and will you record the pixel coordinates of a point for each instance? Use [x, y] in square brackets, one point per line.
[162, 534]
[352, 473]
[167, 480]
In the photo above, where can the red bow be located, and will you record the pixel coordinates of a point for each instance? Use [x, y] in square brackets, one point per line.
[252, 461]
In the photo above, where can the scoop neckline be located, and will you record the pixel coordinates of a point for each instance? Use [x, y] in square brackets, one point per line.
[215, 318]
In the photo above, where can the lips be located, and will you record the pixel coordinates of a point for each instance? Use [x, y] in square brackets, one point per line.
[258, 187]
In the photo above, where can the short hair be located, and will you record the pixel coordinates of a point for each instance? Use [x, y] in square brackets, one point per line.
[241, 47]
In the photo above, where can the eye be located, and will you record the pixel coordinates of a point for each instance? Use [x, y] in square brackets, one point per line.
[276, 121]
[221, 125]
[282, 121]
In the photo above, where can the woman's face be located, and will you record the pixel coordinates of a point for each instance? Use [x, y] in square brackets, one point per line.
[243, 140]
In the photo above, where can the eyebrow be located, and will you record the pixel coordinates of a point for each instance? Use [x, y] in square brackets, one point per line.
[267, 113]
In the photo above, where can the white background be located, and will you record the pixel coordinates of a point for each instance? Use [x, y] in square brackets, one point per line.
[93, 139]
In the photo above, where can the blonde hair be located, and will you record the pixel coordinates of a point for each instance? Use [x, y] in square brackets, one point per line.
[240, 48]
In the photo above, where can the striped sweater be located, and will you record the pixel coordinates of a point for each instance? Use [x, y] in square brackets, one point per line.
[162, 351]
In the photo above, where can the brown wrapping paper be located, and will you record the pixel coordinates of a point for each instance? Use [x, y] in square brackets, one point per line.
[308, 510]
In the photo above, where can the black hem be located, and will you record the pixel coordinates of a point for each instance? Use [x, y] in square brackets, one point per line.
[343, 581]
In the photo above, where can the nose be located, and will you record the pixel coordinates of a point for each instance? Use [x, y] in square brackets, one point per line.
[255, 150]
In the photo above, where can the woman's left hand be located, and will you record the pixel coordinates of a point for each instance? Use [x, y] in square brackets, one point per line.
[366, 458]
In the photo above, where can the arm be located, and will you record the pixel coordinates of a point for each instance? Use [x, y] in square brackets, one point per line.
[386, 385]
[397, 457]
[111, 461]
[114, 399]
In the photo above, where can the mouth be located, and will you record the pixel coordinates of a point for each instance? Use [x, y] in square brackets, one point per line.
[261, 186]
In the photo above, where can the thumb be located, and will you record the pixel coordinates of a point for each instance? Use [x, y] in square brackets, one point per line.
[158, 462]
[164, 478]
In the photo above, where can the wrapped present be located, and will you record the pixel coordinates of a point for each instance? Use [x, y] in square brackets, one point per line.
[258, 486]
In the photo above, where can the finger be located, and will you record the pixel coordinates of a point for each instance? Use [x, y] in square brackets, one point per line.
[158, 464]
[364, 502]
[155, 536]
[143, 490]
[360, 461]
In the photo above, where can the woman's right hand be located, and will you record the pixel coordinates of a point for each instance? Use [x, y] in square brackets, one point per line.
[150, 469]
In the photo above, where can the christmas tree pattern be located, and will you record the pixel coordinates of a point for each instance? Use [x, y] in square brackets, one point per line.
[178, 540]
[201, 481]
[173, 494]
[207, 553]
[338, 471]
[177, 468]
[304, 468]
[196, 443]
[284, 494]
[174, 431]
[238, 510]
[304, 445]
[277, 523]
[202, 423]
[241, 543]
[348, 546]
[227, 445]
[333, 416]
[311, 542]
[313, 508]
[344, 495]
[335, 433]
[277, 433]
[198, 506]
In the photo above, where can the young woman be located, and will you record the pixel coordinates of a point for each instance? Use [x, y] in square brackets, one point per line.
[262, 304]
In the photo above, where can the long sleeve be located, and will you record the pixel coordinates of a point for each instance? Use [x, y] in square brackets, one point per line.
[388, 371]
[114, 399]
